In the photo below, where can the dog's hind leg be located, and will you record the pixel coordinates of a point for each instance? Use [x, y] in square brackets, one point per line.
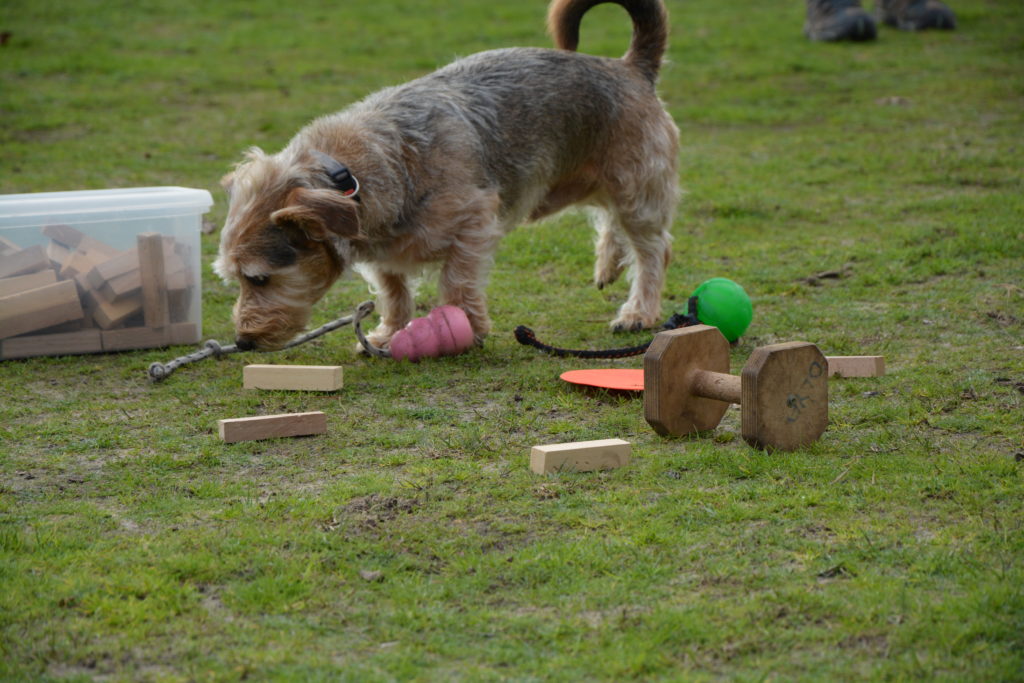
[650, 255]
[643, 202]
[645, 226]
[612, 255]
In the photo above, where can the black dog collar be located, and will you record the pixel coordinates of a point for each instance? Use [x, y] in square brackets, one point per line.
[340, 176]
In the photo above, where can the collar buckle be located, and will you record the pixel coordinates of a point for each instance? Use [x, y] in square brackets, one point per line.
[340, 176]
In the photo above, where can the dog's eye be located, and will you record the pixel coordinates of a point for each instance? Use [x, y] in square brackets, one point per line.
[257, 280]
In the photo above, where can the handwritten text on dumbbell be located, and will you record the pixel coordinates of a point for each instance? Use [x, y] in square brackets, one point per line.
[797, 403]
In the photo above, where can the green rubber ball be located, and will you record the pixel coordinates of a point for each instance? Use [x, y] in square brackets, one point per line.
[724, 304]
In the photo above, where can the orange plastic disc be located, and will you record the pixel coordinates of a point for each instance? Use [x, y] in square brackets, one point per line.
[620, 379]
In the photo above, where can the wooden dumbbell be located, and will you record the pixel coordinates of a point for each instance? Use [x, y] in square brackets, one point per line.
[782, 390]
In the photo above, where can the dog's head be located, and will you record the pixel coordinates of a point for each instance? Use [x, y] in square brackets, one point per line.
[286, 239]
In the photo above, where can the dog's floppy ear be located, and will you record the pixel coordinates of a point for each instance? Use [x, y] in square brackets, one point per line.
[320, 214]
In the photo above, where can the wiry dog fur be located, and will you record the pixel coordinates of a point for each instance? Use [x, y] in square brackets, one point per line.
[448, 164]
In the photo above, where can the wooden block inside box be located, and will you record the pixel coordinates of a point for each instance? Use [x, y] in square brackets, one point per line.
[155, 303]
[134, 338]
[24, 261]
[581, 456]
[69, 326]
[64, 234]
[58, 254]
[149, 337]
[293, 377]
[120, 276]
[125, 263]
[7, 246]
[23, 283]
[115, 288]
[80, 262]
[60, 344]
[179, 301]
[272, 426]
[131, 283]
[182, 333]
[76, 240]
[76, 252]
[110, 314]
[39, 308]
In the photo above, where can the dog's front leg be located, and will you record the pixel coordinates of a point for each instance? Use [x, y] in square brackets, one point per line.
[394, 304]
[464, 277]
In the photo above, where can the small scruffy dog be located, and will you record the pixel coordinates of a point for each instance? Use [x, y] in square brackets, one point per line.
[439, 169]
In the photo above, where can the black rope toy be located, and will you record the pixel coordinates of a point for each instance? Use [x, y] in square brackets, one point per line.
[524, 335]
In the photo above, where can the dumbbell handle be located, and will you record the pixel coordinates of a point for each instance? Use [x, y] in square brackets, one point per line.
[728, 388]
[720, 386]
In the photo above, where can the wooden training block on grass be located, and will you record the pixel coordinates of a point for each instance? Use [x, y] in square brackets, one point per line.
[60, 344]
[272, 426]
[580, 456]
[37, 309]
[856, 366]
[293, 377]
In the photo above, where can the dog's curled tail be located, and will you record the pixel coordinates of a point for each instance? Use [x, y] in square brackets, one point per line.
[650, 29]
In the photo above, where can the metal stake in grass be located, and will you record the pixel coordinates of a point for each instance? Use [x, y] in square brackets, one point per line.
[160, 371]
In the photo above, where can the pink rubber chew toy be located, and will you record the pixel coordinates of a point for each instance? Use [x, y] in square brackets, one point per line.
[445, 332]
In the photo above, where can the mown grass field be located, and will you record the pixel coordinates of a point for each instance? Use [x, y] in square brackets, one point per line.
[412, 542]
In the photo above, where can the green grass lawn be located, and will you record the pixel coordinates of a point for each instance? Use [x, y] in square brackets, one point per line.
[412, 542]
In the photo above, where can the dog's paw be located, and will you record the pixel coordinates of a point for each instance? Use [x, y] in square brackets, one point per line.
[627, 327]
[610, 262]
[379, 339]
[632, 323]
[362, 349]
[606, 276]
[481, 326]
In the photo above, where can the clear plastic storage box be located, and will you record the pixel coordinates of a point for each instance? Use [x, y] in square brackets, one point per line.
[100, 270]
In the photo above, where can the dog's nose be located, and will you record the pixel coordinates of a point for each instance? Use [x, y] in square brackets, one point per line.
[245, 344]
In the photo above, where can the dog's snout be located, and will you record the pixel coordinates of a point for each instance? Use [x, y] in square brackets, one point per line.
[245, 343]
